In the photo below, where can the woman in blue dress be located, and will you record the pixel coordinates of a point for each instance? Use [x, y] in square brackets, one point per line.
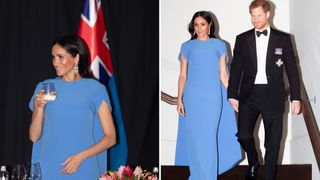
[207, 127]
[71, 133]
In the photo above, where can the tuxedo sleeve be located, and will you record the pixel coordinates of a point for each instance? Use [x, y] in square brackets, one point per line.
[236, 70]
[292, 70]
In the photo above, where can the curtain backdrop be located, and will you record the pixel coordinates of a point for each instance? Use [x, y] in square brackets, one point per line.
[27, 30]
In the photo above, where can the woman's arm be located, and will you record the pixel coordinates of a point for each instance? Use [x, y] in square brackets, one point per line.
[181, 83]
[35, 129]
[108, 140]
[224, 77]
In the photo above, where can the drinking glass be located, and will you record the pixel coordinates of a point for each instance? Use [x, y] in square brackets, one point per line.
[49, 91]
[35, 171]
[18, 172]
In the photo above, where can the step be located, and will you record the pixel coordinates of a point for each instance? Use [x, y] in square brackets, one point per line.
[285, 172]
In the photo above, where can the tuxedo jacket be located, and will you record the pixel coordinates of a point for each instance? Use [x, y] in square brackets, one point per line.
[243, 70]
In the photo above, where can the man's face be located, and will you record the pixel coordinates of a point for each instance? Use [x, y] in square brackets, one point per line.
[259, 18]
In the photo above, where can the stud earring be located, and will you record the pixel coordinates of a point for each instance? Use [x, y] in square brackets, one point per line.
[76, 68]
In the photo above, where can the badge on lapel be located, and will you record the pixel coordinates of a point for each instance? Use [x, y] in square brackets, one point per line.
[278, 51]
[279, 62]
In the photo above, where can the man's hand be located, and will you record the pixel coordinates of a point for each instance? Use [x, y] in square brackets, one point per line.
[234, 104]
[295, 107]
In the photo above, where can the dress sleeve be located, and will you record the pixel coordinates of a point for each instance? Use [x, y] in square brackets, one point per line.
[222, 49]
[184, 52]
[38, 87]
[100, 95]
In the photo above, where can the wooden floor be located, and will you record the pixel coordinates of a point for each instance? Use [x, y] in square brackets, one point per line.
[285, 172]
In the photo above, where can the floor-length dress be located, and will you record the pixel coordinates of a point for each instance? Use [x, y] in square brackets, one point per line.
[206, 140]
[71, 125]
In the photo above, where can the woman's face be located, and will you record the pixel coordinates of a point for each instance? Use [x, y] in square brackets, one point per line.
[63, 62]
[201, 27]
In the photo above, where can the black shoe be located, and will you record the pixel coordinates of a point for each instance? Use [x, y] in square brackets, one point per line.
[252, 172]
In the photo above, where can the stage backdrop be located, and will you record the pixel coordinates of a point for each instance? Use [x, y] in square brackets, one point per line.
[27, 30]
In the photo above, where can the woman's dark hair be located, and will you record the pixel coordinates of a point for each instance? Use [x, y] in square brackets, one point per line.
[205, 15]
[74, 45]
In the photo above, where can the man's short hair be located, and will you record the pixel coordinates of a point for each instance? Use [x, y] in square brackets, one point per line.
[260, 3]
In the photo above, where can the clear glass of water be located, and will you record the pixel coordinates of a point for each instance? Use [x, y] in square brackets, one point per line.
[35, 171]
[50, 93]
[18, 172]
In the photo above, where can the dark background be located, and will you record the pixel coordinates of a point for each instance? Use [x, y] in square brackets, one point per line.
[27, 29]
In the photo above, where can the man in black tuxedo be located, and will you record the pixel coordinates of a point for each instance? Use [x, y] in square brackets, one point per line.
[258, 60]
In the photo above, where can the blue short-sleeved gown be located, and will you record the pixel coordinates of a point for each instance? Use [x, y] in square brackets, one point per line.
[71, 125]
[207, 141]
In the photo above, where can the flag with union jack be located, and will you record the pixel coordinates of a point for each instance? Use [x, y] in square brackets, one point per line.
[92, 30]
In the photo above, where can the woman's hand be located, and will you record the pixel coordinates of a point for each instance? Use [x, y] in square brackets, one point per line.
[180, 108]
[39, 100]
[35, 129]
[234, 104]
[72, 163]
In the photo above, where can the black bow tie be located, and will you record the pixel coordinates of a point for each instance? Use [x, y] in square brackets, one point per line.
[265, 32]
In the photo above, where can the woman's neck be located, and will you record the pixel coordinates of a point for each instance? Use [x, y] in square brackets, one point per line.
[203, 38]
[73, 77]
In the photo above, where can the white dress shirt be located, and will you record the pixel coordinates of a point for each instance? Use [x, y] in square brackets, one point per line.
[262, 47]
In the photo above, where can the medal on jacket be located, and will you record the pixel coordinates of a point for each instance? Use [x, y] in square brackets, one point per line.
[279, 63]
[278, 51]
